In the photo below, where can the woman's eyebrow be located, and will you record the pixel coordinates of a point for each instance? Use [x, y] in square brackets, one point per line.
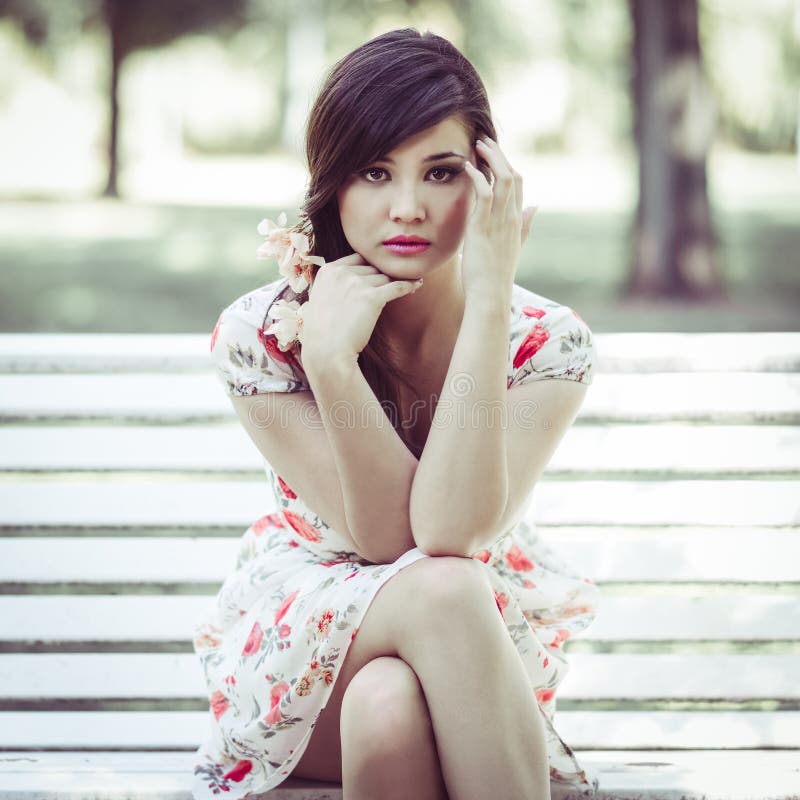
[434, 157]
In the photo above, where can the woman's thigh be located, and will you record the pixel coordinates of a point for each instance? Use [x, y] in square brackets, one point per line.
[393, 613]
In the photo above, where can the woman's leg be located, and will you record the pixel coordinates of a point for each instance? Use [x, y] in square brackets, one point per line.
[439, 616]
[388, 747]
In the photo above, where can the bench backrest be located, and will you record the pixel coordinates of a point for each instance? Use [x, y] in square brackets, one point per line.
[127, 481]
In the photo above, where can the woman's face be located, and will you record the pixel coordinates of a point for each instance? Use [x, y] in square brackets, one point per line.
[408, 193]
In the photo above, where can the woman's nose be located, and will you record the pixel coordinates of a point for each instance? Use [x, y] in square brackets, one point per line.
[406, 204]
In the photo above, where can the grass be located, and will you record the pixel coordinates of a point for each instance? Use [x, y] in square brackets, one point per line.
[117, 266]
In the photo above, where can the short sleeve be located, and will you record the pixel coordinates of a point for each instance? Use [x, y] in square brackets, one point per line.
[551, 342]
[248, 361]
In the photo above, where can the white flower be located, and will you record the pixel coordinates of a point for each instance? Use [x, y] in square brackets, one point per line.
[290, 248]
[289, 316]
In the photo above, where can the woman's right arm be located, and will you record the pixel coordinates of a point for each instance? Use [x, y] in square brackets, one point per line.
[334, 444]
[374, 466]
[358, 481]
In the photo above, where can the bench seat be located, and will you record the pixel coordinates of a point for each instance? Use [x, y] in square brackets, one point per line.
[686, 456]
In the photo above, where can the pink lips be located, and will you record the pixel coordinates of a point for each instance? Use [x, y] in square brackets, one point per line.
[407, 249]
[407, 245]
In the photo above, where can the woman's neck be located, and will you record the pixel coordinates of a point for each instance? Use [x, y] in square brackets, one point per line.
[422, 327]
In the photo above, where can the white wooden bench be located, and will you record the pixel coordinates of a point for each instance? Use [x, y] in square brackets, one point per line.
[127, 481]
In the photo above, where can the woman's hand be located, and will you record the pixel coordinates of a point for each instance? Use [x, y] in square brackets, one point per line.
[343, 307]
[498, 225]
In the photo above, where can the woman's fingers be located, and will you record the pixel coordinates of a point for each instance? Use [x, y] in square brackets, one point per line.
[483, 207]
[527, 221]
[394, 289]
[505, 185]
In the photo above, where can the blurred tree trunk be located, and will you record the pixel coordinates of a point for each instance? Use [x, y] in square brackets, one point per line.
[675, 252]
[113, 21]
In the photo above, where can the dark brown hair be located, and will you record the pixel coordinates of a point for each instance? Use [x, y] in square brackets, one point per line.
[392, 87]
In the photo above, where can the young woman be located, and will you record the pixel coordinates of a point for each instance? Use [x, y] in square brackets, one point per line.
[396, 625]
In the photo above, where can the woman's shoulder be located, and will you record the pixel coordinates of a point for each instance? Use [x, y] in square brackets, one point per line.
[548, 339]
[246, 358]
[253, 306]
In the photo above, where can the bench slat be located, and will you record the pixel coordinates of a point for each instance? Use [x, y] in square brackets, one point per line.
[636, 616]
[733, 398]
[651, 774]
[629, 730]
[664, 450]
[774, 351]
[57, 676]
[200, 503]
[606, 554]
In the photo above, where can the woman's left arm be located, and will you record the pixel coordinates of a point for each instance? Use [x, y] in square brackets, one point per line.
[460, 486]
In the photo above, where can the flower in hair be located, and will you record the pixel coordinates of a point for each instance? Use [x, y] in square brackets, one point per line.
[290, 248]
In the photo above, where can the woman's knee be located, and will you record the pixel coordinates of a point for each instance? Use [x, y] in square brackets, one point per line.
[384, 713]
[448, 587]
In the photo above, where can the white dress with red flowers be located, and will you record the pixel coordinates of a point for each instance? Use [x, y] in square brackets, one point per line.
[272, 641]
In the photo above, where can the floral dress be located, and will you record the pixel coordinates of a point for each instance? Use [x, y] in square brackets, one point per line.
[272, 641]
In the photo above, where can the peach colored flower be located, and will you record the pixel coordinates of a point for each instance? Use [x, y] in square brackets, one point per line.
[290, 248]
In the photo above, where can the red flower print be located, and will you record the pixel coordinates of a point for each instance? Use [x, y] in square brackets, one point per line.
[352, 575]
[561, 636]
[517, 560]
[270, 343]
[353, 634]
[215, 333]
[544, 695]
[239, 771]
[326, 676]
[324, 624]
[546, 661]
[261, 524]
[293, 543]
[530, 311]
[528, 584]
[482, 555]
[531, 344]
[284, 606]
[253, 640]
[285, 489]
[218, 703]
[284, 631]
[230, 680]
[301, 527]
[502, 602]
[275, 696]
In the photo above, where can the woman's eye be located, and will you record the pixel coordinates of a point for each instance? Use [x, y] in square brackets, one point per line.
[365, 172]
[445, 174]
[448, 173]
